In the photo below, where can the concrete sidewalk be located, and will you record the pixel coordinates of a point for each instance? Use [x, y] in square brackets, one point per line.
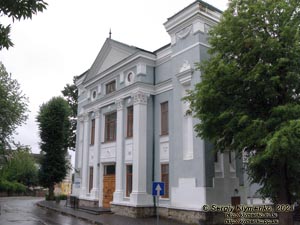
[103, 219]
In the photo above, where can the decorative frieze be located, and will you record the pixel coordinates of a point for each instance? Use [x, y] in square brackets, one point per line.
[108, 152]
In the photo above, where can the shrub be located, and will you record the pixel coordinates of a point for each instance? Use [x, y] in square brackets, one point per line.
[63, 197]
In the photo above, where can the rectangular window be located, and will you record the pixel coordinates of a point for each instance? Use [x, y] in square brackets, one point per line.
[128, 180]
[110, 127]
[91, 178]
[165, 178]
[130, 121]
[93, 132]
[109, 170]
[110, 87]
[164, 118]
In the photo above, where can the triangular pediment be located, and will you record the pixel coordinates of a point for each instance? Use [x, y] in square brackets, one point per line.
[110, 54]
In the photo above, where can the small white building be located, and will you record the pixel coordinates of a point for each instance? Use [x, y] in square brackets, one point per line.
[133, 129]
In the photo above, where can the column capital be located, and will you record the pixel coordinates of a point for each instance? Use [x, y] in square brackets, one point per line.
[83, 117]
[140, 98]
[120, 104]
[97, 114]
[86, 117]
[80, 118]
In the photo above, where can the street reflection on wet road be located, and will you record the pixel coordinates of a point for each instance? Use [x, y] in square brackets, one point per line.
[23, 211]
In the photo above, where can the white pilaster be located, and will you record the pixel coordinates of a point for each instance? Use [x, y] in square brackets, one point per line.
[76, 186]
[119, 192]
[95, 190]
[139, 194]
[85, 157]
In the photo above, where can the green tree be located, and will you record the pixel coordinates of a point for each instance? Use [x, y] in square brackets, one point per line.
[13, 108]
[21, 167]
[54, 125]
[70, 93]
[248, 99]
[17, 10]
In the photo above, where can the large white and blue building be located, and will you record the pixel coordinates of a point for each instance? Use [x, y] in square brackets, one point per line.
[133, 128]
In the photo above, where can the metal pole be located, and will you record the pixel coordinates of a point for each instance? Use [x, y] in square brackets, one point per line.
[157, 212]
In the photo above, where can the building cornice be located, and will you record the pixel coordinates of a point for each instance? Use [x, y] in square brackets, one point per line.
[119, 65]
[192, 10]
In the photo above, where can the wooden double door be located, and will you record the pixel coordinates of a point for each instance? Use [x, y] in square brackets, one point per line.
[109, 184]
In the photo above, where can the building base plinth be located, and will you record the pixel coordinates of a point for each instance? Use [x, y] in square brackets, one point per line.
[180, 215]
[132, 211]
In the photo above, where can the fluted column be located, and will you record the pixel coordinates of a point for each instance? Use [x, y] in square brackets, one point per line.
[95, 189]
[85, 157]
[118, 194]
[139, 194]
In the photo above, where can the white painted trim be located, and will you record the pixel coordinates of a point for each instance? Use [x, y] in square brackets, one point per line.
[186, 14]
[118, 66]
[164, 53]
[132, 78]
[163, 87]
[164, 149]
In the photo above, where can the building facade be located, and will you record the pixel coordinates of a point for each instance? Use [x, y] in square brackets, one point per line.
[133, 128]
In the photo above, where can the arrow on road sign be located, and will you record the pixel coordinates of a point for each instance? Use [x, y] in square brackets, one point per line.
[158, 188]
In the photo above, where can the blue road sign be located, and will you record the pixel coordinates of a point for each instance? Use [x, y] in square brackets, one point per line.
[158, 188]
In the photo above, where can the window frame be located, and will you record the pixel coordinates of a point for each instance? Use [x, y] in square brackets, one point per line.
[110, 87]
[91, 178]
[164, 118]
[128, 180]
[165, 177]
[93, 127]
[110, 123]
[129, 133]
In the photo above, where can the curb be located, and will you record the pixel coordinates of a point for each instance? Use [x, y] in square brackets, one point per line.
[68, 214]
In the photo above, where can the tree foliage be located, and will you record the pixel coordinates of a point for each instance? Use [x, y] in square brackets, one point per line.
[13, 108]
[17, 10]
[21, 167]
[249, 96]
[54, 125]
[70, 93]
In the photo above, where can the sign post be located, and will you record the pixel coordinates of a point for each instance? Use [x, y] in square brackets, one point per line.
[158, 189]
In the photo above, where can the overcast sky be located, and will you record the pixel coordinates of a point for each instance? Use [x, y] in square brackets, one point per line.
[64, 40]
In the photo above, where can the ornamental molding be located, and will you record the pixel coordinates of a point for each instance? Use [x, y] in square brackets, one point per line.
[97, 113]
[184, 32]
[80, 118]
[185, 66]
[140, 98]
[120, 103]
[86, 117]
[185, 74]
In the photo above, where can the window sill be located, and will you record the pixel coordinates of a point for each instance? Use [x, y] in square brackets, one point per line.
[106, 142]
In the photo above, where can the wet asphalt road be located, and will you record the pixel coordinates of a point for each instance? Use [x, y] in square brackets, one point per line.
[23, 211]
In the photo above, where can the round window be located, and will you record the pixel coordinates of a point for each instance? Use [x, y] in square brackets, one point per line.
[94, 94]
[129, 77]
